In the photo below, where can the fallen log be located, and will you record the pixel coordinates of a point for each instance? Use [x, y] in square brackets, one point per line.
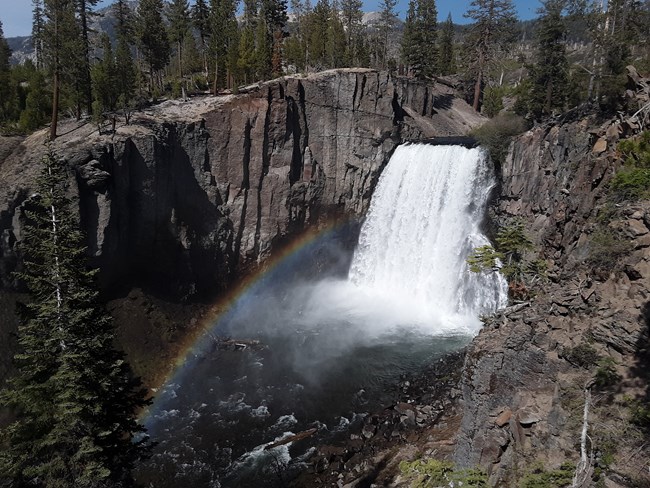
[292, 438]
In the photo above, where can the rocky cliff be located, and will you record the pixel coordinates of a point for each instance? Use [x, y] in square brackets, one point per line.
[191, 192]
[583, 337]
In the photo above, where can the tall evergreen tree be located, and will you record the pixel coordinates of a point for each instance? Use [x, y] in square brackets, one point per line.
[82, 78]
[178, 16]
[7, 92]
[336, 41]
[201, 22]
[38, 24]
[152, 36]
[74, 398]
[419, 48]
[275, 14]
[352, 16]
[37, 104]
[124, 65]
[550, 73]
[426, 56]
[318, 33]
[59, 43]
[446, 64]
[387, 21]
[222, 29]
[409, 38]
[492, 29]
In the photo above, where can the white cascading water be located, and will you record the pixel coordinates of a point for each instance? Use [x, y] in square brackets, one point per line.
[424, 221]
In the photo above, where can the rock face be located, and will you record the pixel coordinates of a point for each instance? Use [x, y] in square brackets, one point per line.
[193, 191]
[523, 389]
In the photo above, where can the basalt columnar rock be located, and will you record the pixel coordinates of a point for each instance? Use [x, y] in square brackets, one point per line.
[525, 374]
[192, 192]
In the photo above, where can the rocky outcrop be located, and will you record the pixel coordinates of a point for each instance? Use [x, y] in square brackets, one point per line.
[525, 374]
[193, 191]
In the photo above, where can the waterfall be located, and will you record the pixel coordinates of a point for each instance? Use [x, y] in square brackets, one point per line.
[424, 220]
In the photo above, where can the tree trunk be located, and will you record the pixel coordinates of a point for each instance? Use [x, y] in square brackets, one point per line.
[215, 90]
[479, 82]
[55, 104]
[549, 97]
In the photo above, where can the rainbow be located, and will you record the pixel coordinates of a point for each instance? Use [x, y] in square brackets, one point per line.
[192, 344]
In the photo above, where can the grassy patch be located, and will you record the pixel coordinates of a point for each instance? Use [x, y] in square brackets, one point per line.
[497, 133]
[430, 473]
[539, 477]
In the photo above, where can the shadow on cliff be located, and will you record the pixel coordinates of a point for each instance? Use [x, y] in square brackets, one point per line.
[641, 372]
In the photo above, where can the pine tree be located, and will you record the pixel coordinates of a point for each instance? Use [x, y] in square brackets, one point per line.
[105, 83]
[84, 12]
[201, 22]
[262, 51]
[37, 103]
[275, 15]
[550, 73]
[426, 55]
[409, 38]
[492, 29]
[7, 92]
[59, 45]
[387, 20]
[318, 32]
[222, 28]
[152, 37]
[336, 42]
[352, 16]
[446, 63]
[38, 24]
[73, 397]
[124, 65]
[178, 16]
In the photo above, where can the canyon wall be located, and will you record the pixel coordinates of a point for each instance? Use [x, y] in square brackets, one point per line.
[192, 192]
[525, 375]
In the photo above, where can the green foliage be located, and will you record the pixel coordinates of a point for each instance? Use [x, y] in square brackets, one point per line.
[538, 477]
[639, 412]
[606, 374]
[497, 133]
[419, 43]
[493, 101]
[74, 399]
[583, 355]
[549, 74]
[37, 104]
[632, 182]
[605, 248]
[510, 257]
[446, 54]
[484, 258]
[432, 473]
[152, 35]
[491, 33]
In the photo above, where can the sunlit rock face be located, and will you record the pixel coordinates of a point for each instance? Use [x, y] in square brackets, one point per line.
[192, 191]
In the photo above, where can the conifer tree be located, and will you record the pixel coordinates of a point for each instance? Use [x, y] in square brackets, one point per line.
[82, 78]
[178, 16]
[262, 51]
[124, 65]
[387, 20]
[409, 38]
[352, 16]
[38, 24]
[201, 22]
[152, 36]
[7, 93]
[59, 44]
[73, 397]
[104, 78]
[550, 73]
[336, 42]
[419, 47]
[446, 64]
[275, 15]
[492, 29]
[37, 103]
[318, 32]
[222, 28]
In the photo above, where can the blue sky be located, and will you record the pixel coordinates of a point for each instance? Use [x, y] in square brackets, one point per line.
[16, 15]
